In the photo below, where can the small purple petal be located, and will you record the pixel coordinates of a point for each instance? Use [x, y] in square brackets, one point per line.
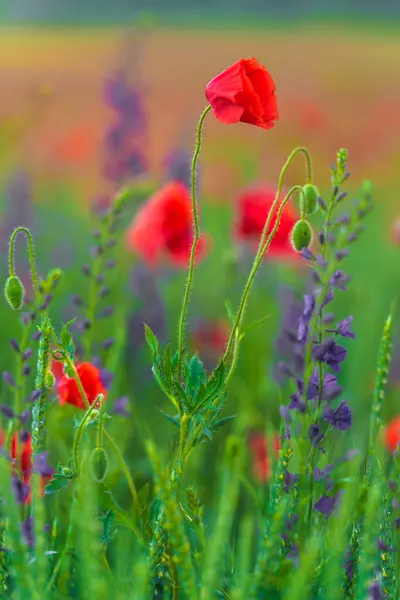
[121, 406]
[9, 379]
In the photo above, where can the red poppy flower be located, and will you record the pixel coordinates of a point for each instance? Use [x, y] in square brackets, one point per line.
[261, 463]
[21, 455]
[164, 227]
[57, 368]
[392, 434]
[244, 92]
[89, 375]
[253, 207]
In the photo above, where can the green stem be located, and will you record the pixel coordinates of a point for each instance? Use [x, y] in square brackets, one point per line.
[126, 472]
[189, 280]
[31, 250]
[75, 375]
[79, 434]
[263, 248]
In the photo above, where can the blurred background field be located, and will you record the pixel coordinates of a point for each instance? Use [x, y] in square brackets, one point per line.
[338, 85]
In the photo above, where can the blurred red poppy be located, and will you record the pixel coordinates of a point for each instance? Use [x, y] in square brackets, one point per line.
[244, 92]
[68, 391]
[392, 434]
[21, 455]
[78, 145]
[261, 462]
[163, 227]
[253, 207]
[57, 368]
[210, 338]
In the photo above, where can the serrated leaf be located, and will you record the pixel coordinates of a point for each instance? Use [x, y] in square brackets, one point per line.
[57, 482]
[151, 340]
[221, 422]
[172, 419]
[195, 375]
[214, 388]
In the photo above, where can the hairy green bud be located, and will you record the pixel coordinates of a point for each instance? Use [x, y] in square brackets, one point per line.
[302, 235]
[309, 199]
[14, 292]
[99, 464]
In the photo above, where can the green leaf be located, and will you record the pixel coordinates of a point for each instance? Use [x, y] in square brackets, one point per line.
[195, 375]
[60, 479]
[168, 366]
[172, 419]
[221, 422]
[107, 520]
[229, 311]
[151, 340]
[214, 388]
[255, 324]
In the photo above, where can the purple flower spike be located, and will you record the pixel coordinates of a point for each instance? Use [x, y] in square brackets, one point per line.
[121, 406]
[304, 320]
[341, 418]
[327, 504]
[296, 403]
[306, 254]
[7, 411]
[14, 345]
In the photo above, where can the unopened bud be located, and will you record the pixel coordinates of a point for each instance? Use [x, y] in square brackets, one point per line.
[301, 236]
[14, 292]
[309, 199]
[99, 464]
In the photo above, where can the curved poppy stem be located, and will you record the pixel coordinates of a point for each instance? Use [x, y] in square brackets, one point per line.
[31, 250]
[234, 337]
[189, 280]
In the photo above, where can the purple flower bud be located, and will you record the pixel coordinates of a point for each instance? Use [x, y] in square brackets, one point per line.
[27, 354]
[316, 436]
[35, 395]
[335, 190]
[104, 291]
[112, 242]
[9, 379]
[7, 411]
[396, 523]
[25, 416]
[14, 345]
[343, 219]
[108, 343]
[351, 237]
[110, 264]
[96, 251]
[381, 545]
[339, 280]
[346, 176]
[86, 270]
[76, 300]
[37, 335]
[100, 278]
[341, 197]
[392, 485]
[106, 312]
[341, 254]
[322, 204]
[96, 234]
[328, 318]
[26, 370]
[375, 591]
[25, 318]
[84, 325]
[306, 254]
[321, 238]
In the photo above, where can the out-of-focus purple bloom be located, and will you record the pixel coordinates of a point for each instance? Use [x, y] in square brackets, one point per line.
[28, 532]
[108, 311]
[106, 377]
[14, 345]
[26, 370]
[341, 418]
[285, 414]
[327, 504]
[41, 465]
[24, 436]
[125, 99]
[121, 406]
[19, 488]
[109, 343]
[339, 280]
[25, 416]
[7, 411]
[35, 395]
[341, 254]
[289, 480]
[296, 403]
[323, 475]
[327, 300]
[343, 328]
[287, 344]
[375, 591]
[306, 254]
[27, 354]
[328, 318]
[9, 379]
[381, 545]
[330, 353]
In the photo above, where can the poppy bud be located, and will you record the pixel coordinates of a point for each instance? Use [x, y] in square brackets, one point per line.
[309, 199]
[301, 236]
[99, 464]
[14, 292]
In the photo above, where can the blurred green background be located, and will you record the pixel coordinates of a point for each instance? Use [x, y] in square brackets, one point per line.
[337, 86]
